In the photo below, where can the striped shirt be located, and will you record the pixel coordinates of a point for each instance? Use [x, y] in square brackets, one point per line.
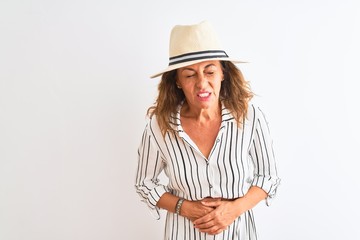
[240, 158]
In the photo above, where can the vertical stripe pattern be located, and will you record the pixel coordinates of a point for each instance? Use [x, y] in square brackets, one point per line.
[240, 158]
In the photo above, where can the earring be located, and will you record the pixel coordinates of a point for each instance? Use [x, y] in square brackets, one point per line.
[178, 86]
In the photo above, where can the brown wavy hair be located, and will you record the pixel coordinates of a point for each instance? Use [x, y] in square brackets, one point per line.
[235, 93]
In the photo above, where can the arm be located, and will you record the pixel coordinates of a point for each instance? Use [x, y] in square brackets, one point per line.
[150, 165]
[263, 186]
[189, 209]
[250, 200]
[262, 155]
[155, 195]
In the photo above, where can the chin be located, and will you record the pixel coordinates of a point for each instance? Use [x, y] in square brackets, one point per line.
[206, 105]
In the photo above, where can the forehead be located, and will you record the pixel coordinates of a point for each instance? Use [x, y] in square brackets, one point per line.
[202, 65]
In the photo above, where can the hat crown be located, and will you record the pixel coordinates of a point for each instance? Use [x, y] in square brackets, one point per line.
[191, 44]
[186, 39]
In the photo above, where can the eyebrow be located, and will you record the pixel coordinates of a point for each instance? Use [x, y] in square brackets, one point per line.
[188, 68]
[210, 65]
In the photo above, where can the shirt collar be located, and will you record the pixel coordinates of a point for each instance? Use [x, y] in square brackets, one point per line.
[175, 122]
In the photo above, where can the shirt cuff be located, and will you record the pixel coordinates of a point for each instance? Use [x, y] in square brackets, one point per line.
[153, 197]
[269, 185]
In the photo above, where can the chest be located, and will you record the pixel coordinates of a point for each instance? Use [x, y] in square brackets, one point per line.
[203, 136]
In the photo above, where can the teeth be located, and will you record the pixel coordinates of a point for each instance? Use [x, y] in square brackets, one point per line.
[204, 94]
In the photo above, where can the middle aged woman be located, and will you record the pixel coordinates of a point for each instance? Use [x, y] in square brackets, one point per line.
[212, 142]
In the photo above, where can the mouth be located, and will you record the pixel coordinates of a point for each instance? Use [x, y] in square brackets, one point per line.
[203, 95]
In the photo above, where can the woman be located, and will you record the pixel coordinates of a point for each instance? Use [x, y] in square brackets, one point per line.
[212, 143]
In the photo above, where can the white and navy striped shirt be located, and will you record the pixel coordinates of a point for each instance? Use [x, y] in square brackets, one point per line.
[240, 158]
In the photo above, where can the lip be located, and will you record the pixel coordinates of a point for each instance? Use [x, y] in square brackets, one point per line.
[203, 95]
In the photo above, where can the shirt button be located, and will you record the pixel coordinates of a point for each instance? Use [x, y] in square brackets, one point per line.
[211, 186]
[217, 140]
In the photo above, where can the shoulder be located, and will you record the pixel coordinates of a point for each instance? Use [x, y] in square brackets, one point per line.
[153, 133]
[255, 113]
[152, 125]
[253, 110]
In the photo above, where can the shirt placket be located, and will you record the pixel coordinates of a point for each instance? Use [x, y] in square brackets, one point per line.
[214, 190]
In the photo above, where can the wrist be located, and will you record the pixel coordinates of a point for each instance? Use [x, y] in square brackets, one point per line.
[239, 206]
[178, 206]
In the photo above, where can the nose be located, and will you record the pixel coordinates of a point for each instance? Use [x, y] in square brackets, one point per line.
[201, 81]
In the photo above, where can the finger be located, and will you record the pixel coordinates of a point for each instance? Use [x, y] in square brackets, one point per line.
[208, 199]
[202, 222]
[204, 226]
[212, 204]
[219, 230]
[206, 218]
[212, 230]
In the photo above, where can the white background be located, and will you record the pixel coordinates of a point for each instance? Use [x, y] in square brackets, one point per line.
[75, 87]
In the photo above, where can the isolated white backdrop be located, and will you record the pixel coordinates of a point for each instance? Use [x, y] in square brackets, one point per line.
[74, 89]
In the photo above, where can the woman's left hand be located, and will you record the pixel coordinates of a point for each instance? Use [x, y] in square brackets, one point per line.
[219, 219]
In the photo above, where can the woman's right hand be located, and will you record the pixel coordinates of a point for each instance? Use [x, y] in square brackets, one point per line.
[195, 209]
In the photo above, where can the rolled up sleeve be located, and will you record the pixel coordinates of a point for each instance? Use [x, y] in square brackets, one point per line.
[262, 153]
[150, 165]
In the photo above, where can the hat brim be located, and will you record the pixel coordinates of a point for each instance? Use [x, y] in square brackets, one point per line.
[184, 64]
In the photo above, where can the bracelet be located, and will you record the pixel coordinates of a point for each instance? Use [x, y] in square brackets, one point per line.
[178, 206]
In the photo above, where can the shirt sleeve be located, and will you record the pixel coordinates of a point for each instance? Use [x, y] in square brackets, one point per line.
[150, 165]
[262, 154]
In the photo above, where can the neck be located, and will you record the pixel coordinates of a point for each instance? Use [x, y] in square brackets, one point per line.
[201, 114]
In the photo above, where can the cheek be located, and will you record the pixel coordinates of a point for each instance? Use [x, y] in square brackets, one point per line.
[217, 88]
[182, 82]
[217, 84]
[186, 85]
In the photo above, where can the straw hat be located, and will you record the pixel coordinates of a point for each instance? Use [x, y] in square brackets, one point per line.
[190, 44]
